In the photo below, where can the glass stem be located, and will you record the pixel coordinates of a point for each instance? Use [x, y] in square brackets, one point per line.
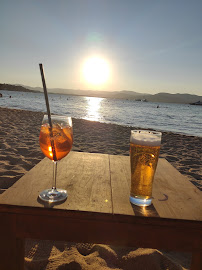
[54, 174]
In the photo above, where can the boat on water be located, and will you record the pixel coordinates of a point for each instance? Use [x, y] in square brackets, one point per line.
[142, 100]
[196, 103]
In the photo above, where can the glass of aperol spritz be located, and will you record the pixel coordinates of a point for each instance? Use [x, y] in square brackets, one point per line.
[55, 143]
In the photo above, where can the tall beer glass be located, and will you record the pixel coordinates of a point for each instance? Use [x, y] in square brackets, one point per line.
[144, 153]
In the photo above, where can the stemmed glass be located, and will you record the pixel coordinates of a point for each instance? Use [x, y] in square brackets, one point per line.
[55, 143]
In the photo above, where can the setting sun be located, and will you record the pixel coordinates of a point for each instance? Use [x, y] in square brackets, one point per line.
[96, 70]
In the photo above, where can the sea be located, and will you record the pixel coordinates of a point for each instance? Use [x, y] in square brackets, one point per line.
[179, 118]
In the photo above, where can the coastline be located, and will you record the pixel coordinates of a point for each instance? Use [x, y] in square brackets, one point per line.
[20, 152]
[177, 118]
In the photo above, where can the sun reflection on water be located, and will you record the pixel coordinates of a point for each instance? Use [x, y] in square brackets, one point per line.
[93, 108]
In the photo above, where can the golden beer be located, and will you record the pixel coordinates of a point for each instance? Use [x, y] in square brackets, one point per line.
[144, 153]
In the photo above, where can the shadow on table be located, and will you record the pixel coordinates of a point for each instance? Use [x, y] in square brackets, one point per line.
[145, 211]
[49, 204]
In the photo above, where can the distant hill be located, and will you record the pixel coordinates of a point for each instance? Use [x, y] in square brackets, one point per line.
[130, 95]
[10, 87]
[173, 98]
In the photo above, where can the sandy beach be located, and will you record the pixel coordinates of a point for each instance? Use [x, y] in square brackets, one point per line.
[20, 151]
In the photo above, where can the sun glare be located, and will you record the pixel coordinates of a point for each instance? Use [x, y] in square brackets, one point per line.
[93, 107]
[96, 70]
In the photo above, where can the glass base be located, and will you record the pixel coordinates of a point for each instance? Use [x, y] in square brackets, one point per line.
[140, 201]
[53, 195]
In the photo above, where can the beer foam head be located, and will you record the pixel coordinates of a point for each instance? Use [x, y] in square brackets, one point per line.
[145, 137]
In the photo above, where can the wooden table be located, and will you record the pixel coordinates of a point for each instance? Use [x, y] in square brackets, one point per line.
[98, 208]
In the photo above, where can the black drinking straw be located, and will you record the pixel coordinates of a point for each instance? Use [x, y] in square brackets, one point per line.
[48, 110]
[46, 95]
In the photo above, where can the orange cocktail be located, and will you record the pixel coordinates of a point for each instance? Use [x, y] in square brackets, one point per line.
[59, 139]
[55, 139]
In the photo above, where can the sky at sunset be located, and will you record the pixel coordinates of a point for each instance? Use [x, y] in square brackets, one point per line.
[144, 46]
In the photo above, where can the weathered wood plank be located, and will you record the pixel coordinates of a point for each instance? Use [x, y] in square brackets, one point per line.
[120, 177]
[182, 200]
[85, 176]
[26, 190]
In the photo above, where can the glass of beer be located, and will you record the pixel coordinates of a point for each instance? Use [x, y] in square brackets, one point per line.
[144, 154]
[55, 143]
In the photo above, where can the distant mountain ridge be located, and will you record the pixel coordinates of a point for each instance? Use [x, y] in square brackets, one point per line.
[124, 94]
[10, 87]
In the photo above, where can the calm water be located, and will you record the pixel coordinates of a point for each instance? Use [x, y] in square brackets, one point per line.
[180, 118]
